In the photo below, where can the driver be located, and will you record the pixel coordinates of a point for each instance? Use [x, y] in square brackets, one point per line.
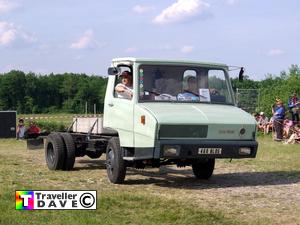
[124, 89]
[190, 94]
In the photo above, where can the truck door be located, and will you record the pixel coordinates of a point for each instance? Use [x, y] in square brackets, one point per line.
[118, 113]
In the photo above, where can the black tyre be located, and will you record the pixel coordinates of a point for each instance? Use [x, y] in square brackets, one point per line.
[203, 169]
[54, 152]
[115, 165]
[69, 148]
[94, 154]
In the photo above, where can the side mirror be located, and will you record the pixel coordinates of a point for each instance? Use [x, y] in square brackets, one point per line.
[241, 74]
[113, 70]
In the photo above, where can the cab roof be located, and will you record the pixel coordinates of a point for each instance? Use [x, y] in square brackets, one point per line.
[167, 61]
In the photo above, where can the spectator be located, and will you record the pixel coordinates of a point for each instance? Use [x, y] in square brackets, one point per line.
[256, 116]
[33, 131]
[293, 105]
[20, 129]
[295, 137]
[287, 125]
[269, 125]
[279, 112]
[262, 121]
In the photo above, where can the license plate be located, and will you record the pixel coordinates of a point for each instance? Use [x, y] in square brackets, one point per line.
[207, 151]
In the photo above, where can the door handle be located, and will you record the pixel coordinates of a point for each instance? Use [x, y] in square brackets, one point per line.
[110, 104]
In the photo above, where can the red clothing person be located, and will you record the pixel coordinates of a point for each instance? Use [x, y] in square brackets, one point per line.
[33, 129]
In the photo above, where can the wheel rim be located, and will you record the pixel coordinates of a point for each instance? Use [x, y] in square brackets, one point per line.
[50, 153]
[110, 161]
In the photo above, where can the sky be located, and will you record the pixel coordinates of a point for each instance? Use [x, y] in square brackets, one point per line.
[83, 36]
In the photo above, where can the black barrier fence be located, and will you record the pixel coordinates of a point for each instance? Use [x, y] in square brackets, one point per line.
[8, 124]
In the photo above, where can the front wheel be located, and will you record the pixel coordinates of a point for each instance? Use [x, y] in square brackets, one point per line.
[203, 169]
[115, 165]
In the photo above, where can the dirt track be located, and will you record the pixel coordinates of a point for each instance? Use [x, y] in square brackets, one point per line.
[255, 197]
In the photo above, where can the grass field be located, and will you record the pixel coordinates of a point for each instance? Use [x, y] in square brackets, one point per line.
[265, 190]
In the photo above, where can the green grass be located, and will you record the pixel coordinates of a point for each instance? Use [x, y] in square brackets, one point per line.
[166, 199]
[23, 170]
[113, 209]
[273, 156]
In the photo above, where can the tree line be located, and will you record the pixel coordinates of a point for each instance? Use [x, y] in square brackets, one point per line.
[69, 92]
[34, 93]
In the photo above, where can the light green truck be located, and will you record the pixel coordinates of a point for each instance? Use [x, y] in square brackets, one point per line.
[179, 112]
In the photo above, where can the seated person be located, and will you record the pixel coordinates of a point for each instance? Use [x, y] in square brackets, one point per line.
[33, 131]
[262, 122]
[295, 137]
[125, 89]
[191, 93]
[269, 126]
[287, 125]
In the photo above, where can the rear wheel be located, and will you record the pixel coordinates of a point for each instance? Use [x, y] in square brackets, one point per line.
[54, 152]
[69, 149]
[115, 165]
[203, 169]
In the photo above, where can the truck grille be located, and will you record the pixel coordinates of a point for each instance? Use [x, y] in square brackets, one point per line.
[183, 131]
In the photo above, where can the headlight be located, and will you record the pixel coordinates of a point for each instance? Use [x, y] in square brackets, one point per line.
[171, 150]
[245, 151]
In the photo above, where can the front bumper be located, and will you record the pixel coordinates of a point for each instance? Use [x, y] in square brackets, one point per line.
[188, 149]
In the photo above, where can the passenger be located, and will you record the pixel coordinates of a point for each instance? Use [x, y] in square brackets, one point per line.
[21, 129]
[125, 89]
[190, 94]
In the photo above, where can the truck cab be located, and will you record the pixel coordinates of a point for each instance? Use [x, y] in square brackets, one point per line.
[180, 112]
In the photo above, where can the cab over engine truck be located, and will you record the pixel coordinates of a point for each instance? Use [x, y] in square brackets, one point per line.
[180, 112]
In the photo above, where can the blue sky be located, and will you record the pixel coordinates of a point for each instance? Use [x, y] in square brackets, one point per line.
[83, 36]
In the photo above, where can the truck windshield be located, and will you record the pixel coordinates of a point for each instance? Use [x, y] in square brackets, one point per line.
[183, 84]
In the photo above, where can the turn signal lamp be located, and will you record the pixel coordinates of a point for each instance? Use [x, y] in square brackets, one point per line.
[143, 119]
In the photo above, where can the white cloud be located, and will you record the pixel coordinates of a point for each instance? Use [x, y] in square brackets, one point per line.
[6, 6]
[180, 11]
[87, 40]
[142, 8]
[187, 49]
[9, 33]
[131, 50]
[275, 52]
